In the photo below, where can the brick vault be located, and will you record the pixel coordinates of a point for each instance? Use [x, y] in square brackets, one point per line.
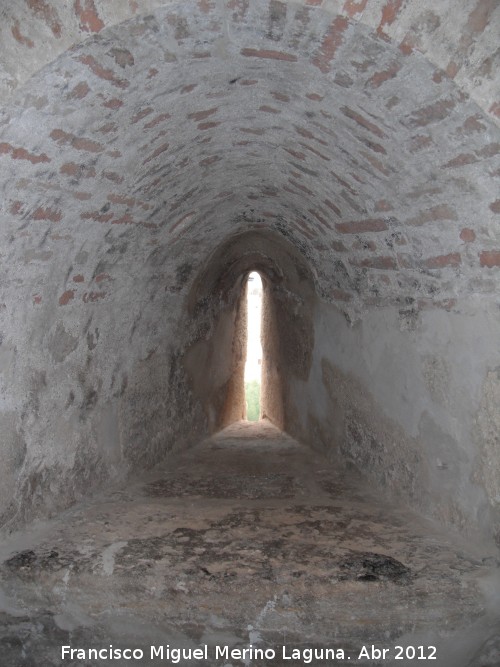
[153, 153]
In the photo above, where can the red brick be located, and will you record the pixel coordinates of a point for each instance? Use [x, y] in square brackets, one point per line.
[161, 149]
[122, 199]
[383, 205]
[73, 169]
[78, 143]
[361, 226]
[103, 72]
[97, 216]
[296, 154]
[344, 183]
[102, 276]
[189, 88]
[66, 297]
[333, 207]
[50, 214]
[408, 45]
[490, 150]
[82, 144]
[373, 146]
[452, 69]
[332, 41]
[37, 299]
[489, 258]
[48, 14]
[480, 16]
[419, 142]
[363, 122]
[206, 6]
[126, 219]
[315, 97]
[240, 7]
[460, 161]
[445, 304]
[141, 114]
[79, 91]
[353, 7]
[16, 208]
[78, 278]
[442, 261]
[208, 126]
[16, 33]
[201, 115]
[156, 121]
[108, 127]
[389, 14]
[268, 109]
[208, 161]
[248, 82]
[90, 297]
[301, 187]
[313, 150]
[379, 78]
[375, 162]
[383, 263]
[89, 18]
[82, 196]
[495, 206]
[432, 113]
[281, 97]
[122, 57]
[468, 235]
[269, 54]
[495, 109]
[320, 218]
[113, 103]
[473, 124]
[113, 176]
[439, 212]
[22, 154]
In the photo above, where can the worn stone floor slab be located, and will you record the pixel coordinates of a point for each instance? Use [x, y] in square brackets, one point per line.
[247, 539]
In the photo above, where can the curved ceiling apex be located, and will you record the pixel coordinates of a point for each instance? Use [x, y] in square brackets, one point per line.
[156, 138]
[33, 33]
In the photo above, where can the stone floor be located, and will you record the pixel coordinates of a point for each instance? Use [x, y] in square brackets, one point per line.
[247, 539]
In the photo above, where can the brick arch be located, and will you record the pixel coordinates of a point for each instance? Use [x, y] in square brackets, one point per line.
[35, 32]
[140, 128]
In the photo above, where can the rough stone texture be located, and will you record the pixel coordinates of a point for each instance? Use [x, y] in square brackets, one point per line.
[487, 433]
[248, 538]
[361, 136]
[394, 402]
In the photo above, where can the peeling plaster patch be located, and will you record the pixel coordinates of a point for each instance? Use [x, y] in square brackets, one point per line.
[62, 343]
[436, 374]
[108, 557]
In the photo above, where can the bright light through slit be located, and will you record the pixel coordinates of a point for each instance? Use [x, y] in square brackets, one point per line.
[253, 365]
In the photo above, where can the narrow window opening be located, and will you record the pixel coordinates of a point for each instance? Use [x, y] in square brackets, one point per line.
[253, 364]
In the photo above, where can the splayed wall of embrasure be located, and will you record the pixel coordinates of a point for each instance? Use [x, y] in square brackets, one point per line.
[411, 403]
[364, 135]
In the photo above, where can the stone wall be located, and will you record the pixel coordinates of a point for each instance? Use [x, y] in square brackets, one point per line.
[412, 405]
